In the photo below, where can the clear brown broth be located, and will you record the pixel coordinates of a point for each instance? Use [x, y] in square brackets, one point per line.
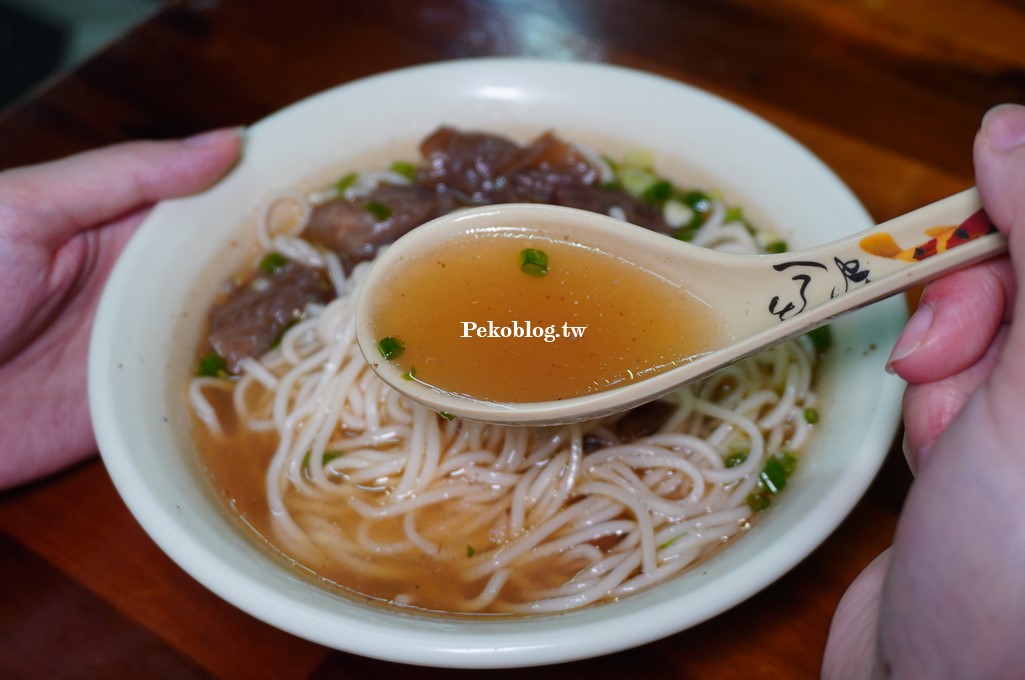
[236, 464]
[634, 323]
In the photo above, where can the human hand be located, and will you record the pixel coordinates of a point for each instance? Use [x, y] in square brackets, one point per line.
[946, 600]
[62, 226]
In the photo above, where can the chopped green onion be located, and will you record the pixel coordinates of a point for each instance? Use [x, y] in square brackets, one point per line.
[777, 246]
[325, 459]
[212, 365]
[733, 214]
[446, 415]
[346, 182]
[657, 193]
[788, 461]
[378, 210]
[534, 262]
[699, 201]
[777, 470]
[821, 338]
[639, 158]
[773, 476]
[407, 170]
[758, 501]
[390, 348]
[273, 262]
[811, 415]
[688, 231]
[470, 552]
[736, 459]
[409, 375]
[671, 541]
[772, 479]
[635, 180]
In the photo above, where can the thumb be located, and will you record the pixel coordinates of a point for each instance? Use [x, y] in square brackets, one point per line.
[1000, 163]
[79, 192]
[999, 156]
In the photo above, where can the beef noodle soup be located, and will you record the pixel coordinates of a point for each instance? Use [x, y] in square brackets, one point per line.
[396, 503]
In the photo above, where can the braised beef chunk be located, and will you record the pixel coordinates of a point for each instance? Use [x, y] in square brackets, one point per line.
[547, 164]
[601, 200]
[643, 421]
[491, 169]
[468, 163]
[356, 229]
[256, 314]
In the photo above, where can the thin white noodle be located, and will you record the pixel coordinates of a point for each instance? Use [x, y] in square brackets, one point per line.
[425, 546]
[201, 406]
[261, 374]
[645, 523]
[491, 590]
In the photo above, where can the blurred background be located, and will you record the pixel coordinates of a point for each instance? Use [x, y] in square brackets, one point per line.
[41, 38]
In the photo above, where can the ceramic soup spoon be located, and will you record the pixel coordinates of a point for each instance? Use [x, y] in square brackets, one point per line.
[458, 313]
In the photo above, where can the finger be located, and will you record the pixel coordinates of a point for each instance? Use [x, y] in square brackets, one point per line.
[930, 407]
[53, 201]
[954, 323]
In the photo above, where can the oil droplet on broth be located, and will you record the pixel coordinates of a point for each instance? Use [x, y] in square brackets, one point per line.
[472, 322]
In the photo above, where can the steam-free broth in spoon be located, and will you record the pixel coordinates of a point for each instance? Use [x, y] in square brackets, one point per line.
[514, 315]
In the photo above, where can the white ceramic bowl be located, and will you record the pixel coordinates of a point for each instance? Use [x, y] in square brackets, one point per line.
[154, 306]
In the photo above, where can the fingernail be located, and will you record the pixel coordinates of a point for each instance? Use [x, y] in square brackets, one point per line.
[1004, 126]
[212, 137]
[912, 336]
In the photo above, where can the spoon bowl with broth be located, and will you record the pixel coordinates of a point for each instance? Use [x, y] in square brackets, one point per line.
[537, 314]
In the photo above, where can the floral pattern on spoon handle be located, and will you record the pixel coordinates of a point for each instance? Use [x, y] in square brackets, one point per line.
[875, 264]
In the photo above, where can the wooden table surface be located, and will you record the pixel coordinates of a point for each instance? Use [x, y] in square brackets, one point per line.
[889, 93]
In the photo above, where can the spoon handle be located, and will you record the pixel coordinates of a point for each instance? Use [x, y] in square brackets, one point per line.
[823, 282]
